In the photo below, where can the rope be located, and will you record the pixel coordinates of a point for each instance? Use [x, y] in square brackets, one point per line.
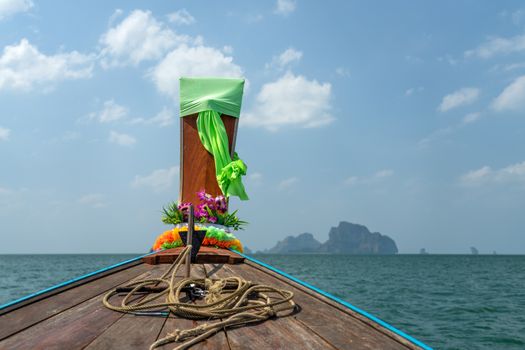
[233, 301]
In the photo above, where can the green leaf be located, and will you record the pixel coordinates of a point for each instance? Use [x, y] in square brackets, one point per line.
[171, 214]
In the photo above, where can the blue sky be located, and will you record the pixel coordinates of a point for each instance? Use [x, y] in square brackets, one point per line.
[407, 117]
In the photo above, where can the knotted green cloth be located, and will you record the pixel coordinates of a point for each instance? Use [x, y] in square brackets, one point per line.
[222, 95]
[214, 138]
[209, 97]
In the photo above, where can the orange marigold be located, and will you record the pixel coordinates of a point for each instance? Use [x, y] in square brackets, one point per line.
[166, 237]
[172, 235]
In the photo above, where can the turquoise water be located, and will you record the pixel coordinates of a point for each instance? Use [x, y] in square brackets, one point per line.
[446, 301]
[21, 275]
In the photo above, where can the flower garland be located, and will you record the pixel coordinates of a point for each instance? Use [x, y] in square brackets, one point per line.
[209, 213]
[210, 210]
[215, 237]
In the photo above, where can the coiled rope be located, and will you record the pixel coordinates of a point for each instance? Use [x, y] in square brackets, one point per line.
[239, 301]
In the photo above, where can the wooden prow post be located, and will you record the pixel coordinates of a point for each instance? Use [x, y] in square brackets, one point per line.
[197, 166]
[189, 240]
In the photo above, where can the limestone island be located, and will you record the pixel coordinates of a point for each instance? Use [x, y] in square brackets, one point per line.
[347, 238]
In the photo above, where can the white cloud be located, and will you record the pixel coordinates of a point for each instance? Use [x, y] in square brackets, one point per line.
[22, 67]
[288, 56]
[4, 134]
[291, 101]
[287, 183]
[121, 139]
[370, 179]
[448, 59]
[498, 46]
[471, 118]
[461, 97]
[512, 98]
[285, 7]
[164, 118]
[111, 112]
[95, 200]
[12, 7]
[514, 173]
[138, 37]
[342, 72]
[476, 176]
[513, 66]
[199, 61]
[443, 132]
[351, 181]
[159, 180]
[255, 178]
[411, 91]
[437, 134]
[116, 14]
[383, 173]
[182, 17]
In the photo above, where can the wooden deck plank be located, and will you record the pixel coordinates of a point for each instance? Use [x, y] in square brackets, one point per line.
[278, 333]
[24, 317]
[139, 332]
[76, 318]
[131, 331]
[206, 255]
[336, 305]
[340, 329]
[217, 341]
[73, 328]
[283, 332]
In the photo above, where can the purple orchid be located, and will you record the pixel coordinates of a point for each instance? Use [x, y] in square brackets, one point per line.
[221, 204]
[210, 210]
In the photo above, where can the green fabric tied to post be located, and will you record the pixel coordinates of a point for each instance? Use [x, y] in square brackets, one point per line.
[211, 97]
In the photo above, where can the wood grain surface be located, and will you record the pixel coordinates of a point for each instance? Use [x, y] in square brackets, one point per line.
[197, 164]
[76, 318]
[206, 255]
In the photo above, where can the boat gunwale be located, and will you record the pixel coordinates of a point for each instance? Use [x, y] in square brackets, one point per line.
[368, 316]
[330, 299]
[69, 284]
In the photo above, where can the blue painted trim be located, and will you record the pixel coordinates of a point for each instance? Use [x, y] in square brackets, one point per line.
[72, 281]
[340, 301]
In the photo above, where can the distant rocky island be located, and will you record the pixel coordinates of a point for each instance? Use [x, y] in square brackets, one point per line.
[347, 238]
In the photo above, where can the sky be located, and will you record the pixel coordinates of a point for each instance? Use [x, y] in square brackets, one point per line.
[407, 117]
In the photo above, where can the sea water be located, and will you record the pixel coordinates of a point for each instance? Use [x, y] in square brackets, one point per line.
[446, 301]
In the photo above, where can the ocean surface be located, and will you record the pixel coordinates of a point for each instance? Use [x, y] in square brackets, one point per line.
[446, 301]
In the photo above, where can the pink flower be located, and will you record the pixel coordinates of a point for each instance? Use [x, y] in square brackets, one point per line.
[184, 206]
[210, 207]
[221, 204]
[201, 211]
[203, 196]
